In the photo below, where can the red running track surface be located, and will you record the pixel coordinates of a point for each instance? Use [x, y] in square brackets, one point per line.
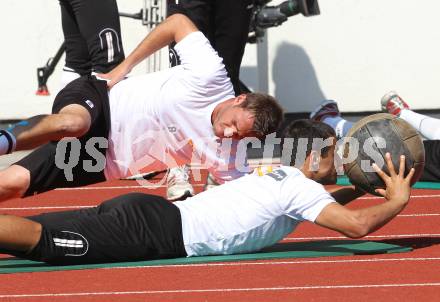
[413, 276]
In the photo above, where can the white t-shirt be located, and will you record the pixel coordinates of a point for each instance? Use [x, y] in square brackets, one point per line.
[250, 213]
[163, 119]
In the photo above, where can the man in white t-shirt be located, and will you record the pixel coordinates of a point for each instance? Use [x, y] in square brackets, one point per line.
[144, 123]
[241, 216]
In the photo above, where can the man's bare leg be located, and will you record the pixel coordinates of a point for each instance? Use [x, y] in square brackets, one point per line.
[18, 233]
[72, 121]
[14, 182]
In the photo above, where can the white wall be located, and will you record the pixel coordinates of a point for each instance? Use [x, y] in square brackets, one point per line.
[354, 52]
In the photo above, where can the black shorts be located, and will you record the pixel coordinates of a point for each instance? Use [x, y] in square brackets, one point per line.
[81, 164]
[226, 25]
[432, 161]
[92, 35]
[131, 227]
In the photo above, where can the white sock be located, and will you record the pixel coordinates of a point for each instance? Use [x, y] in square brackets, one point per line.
[341, 126]
[67, 76]
[7, 142]
[427, 126]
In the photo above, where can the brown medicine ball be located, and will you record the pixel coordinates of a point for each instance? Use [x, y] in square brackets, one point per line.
[376, 135]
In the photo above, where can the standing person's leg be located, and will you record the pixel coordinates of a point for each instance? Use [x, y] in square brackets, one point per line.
[78, 61]
[232, 20]
[200, 12]
[99, 26]
[225, 23]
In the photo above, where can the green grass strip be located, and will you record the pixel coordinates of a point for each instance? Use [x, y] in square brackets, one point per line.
[278, 251]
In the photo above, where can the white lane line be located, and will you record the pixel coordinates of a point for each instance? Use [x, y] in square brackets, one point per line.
[412, 196]
[118, 187]
[419, 215]
[268, 263]
[214, 290]
[366, 237]
[46, 208]
[103, 188]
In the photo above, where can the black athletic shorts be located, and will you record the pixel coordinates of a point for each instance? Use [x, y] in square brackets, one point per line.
[92, 35]
[432, 161]
[75, 170]
[131, 227]
[226, 25]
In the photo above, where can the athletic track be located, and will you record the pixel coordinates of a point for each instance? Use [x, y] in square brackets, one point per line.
[413, 276]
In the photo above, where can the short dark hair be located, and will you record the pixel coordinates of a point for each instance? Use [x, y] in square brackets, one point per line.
[309, 129]
[268, 114]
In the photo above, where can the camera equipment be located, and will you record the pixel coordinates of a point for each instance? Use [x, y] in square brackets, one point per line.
[265, 16]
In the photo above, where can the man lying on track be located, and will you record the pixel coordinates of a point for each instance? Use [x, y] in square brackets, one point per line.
[150, 122]
[243, 215]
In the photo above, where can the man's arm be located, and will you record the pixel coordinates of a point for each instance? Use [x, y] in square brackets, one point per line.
[174, 28]
[361, 222]
[345, 195]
